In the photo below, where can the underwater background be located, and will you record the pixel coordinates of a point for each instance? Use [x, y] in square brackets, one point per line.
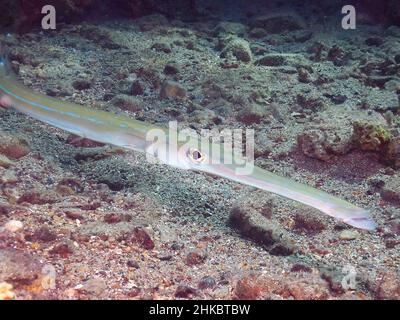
[83, 220]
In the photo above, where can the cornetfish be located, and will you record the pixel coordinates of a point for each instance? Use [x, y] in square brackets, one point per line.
[123, 131]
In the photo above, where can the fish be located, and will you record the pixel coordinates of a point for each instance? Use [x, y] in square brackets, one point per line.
[123, 131]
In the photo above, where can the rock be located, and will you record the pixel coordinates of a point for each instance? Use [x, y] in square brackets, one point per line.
[150, 76]
[390, 192]
[393, 31]
[337, 98]
[14, 226]
[80, 142]
[75, 214]
[115, 173]
[64, 191]
[391, 243]
[348, 235]
[278, 23]
[207, 282]
[338, 56]
[379, 82]
[254, 225]
[63, 249]
[303, 75]
[38, 197]
[306, 287]
[8, 176]
[334, 277]
[99, 36]
[143, 237]
[233, 28]
[165, 257]
[60, 90]
[258, 33]
[392, 154]
[195, 257]
[393, 85]
[171, 68]
[263, 145]
[249, 287]
[389, 286]
[138, 88]
[5, 162]
[127, 103]
[134, 292]
[6, 291]
[115, 218]
[5, 209]
[95, 287]
[318, 50]
[374, 41]
[272, 60]
[133, 264]
[17, 267]
[171, 89]
[44, 234]
[381, 100]
[96, 154]
[48, 277]
[81, 84]
[74, 183]
[162, 47]
[308, 220]
[252, 114]
[184, 291]
[300, 268]
[324, 143]
[237, 48]
[300, 286]
[395, 226]
[370, 136]
[204, 118]
[312, 101]
[12, 147]
[301, 36]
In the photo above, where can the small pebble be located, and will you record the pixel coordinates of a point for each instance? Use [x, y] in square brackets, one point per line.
[133, 264]
[94, 286]
[5, 162]
[195, 257]
[13, 226]
[207, 282]
[49, 276]
[6, 291]
[4, 209]
[44, 234]
[171, 89]
[348, 235]
[184, 291]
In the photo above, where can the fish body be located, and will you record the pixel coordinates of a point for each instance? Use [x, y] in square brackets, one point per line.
[123, 131]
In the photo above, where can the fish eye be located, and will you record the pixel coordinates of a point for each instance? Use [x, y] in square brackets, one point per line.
[195, 155]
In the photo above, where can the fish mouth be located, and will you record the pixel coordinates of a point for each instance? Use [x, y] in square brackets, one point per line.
[364, 222]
